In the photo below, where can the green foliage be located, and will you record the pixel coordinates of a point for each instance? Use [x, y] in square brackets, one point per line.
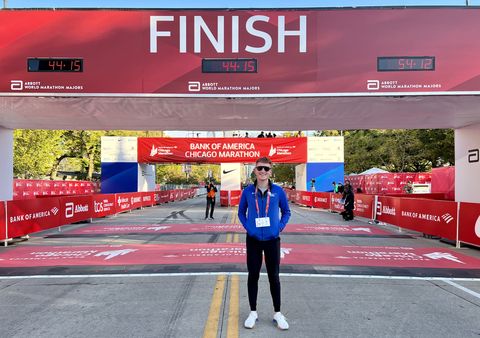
[35, 152]
[284, 173]
[401, 150]
[173, 174]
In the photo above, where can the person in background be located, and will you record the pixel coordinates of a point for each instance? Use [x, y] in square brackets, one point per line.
[348, 206]
[408, 188]
[211, 192]
[264, 213]
[335, 187]
[261, 135]
[312, 185]
[340, 188]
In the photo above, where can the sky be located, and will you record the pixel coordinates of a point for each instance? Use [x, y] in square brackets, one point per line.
[227, 4]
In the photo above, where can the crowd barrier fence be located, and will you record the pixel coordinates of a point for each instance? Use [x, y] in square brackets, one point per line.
[22, 217]
[454, 221]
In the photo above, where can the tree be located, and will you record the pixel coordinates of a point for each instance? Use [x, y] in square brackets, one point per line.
[35, 152]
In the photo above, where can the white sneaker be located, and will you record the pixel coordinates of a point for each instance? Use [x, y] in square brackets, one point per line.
[251, 320]
[280, 320]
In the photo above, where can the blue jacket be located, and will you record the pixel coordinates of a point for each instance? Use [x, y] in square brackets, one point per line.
[247, 212]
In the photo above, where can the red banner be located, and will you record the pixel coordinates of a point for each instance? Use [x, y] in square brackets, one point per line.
[222, 150]
[469, 230]
[321, 200]
[224, 198]
[103, 205]
[290, 52]
[148, 199]
[388, 209]
[75, 209]
[28, 216]
[437, 218]
[235, 197]
[336, 203]
[364, 205]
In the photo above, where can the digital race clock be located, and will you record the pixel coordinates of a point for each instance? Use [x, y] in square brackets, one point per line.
[229, 65]
[74, 65]
[405, 63]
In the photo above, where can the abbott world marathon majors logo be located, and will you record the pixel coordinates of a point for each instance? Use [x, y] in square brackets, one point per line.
[385, 209]
[71, 209]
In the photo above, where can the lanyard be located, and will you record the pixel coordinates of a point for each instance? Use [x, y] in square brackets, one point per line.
[256, 201]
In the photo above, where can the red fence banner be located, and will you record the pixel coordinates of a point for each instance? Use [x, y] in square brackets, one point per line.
[28, 216]
[123, 202]
[469, 230]
[306, 198]
[235, 197]
[321, 200]
[387, 209]
[136, 200]
[3, 225]
[364, 205]
[336, 203]
[164, 196]
[222, 150]
[148, 199]
[75, 209]
[438, 218]
[103, 205]
[224, 198]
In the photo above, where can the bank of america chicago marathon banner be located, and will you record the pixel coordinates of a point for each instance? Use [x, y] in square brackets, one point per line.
[222, 228]
[222, 150]
[233, 253]
[289, 51]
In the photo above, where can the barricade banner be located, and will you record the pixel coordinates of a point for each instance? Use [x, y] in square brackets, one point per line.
[321, 200]
[178, 193]
[157, 197]
[164, 196]
[28, 216]
[469, 231]
[103, 205]
[298, 197]
[387, 209]
[3, 225]
[235, 197]
[171, 196]
[336, 203]
[136, 200]
[75, 209]
[148, 199]
[224, 198]
[221, 150]
[438, 218]
[364, 205]
[306, 198]
[123, 202]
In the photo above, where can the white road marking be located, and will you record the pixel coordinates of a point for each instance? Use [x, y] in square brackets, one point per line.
[473, 293]
[127, 275]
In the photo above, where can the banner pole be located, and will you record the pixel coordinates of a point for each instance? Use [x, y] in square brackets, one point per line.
[457, 240]
[6, 223]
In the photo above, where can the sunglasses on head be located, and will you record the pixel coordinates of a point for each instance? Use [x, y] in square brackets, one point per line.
[260, 167]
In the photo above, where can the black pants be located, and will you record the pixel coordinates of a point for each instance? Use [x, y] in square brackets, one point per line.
[347, 214]
[210, 206]
[271, 249]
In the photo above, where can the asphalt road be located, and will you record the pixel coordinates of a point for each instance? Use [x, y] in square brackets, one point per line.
[209, 299]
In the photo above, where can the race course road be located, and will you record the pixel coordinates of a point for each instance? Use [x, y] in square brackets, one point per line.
[165, 271]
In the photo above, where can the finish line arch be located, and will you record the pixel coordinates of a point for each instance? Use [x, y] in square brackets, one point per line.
[127, 161]
[244, 69]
